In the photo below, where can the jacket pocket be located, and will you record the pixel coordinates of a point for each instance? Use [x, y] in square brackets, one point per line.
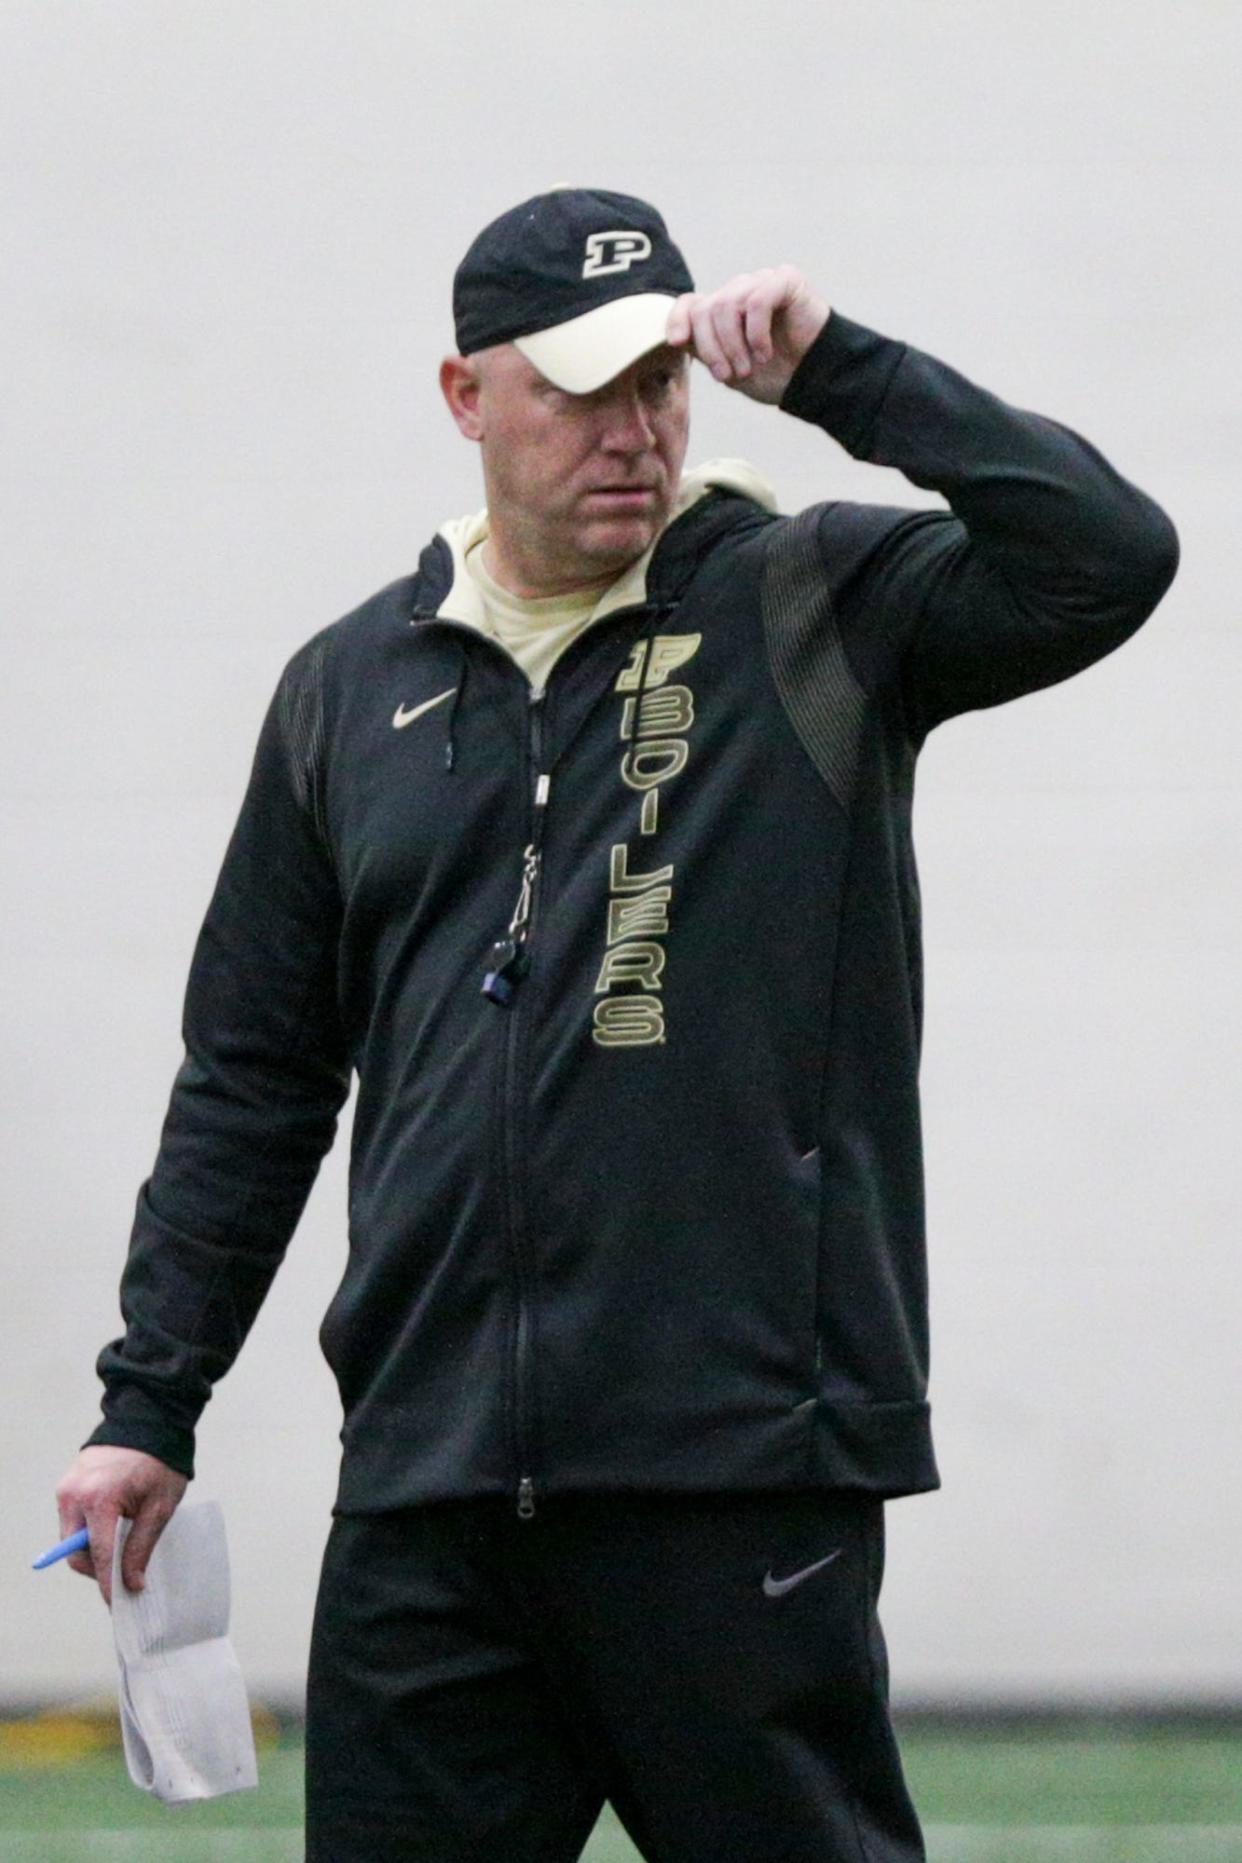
[809, 1173]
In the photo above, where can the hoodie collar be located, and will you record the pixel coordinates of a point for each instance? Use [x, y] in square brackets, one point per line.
[452, 594]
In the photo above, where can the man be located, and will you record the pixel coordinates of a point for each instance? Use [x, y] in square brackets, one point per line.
[588, 846]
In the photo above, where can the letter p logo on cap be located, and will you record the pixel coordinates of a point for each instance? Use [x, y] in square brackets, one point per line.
[614, 252]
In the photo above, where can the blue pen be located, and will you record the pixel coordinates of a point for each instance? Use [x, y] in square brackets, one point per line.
[77, 1542]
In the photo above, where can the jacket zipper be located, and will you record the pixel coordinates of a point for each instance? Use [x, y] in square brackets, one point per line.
[509, 964]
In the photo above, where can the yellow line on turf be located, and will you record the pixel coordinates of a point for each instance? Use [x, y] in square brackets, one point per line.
[58, 1736]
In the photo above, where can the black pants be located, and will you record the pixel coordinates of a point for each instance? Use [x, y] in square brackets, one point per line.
[479, 1685]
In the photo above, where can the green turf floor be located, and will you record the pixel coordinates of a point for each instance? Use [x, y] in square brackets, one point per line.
[1100, 1795]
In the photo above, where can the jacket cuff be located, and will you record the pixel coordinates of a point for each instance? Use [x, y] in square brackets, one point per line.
[132, 1421]
[841, 382]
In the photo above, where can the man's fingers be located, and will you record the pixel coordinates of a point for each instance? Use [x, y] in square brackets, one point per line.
[72, 1519]
[80, 1562]
[677, 328]
[706, 346]
[773, 290]
[102, 1524]
[145, 1531]
[759, 323]
[690, 321]
[104, 1484]
[725, 313]
[730, 330]
[70, 1513]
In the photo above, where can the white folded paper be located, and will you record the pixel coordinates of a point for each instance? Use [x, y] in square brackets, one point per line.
[185, 1718]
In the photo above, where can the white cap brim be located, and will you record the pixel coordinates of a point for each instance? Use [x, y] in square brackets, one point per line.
[584, 353]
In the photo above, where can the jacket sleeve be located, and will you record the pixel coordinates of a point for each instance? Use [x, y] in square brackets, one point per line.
[255, 1103]
[1046, 560]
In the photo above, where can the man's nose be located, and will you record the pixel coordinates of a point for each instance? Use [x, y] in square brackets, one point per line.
[628, 427]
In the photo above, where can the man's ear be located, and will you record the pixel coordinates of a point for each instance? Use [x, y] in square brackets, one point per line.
[459, 384]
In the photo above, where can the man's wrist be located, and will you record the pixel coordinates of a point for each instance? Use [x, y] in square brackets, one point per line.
[157, 1436]
[841, 382]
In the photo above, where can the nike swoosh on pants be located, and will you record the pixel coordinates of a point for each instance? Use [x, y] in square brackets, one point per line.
[777, 1587]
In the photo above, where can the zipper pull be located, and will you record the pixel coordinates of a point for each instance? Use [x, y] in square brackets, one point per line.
[526, 1498]
[508, 961]
[507, 964]
[530, 873]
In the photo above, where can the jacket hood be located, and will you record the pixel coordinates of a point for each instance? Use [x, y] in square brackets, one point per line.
[451, 593]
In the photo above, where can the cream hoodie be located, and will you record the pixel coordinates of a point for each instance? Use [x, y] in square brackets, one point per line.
[537, 630]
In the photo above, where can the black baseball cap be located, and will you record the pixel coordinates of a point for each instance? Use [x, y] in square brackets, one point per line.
[581, 280]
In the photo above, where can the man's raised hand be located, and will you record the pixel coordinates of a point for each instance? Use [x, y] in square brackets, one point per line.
[106, 1484]
[754, 331]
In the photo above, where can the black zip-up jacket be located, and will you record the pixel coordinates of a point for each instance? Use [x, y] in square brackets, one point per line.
[636, 1195]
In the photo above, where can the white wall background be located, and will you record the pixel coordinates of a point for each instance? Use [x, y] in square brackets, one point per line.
[230, 231]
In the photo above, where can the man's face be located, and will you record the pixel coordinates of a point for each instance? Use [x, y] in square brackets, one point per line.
[579, 485]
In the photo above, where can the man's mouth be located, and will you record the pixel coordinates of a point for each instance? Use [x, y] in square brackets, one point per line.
[624, 494]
